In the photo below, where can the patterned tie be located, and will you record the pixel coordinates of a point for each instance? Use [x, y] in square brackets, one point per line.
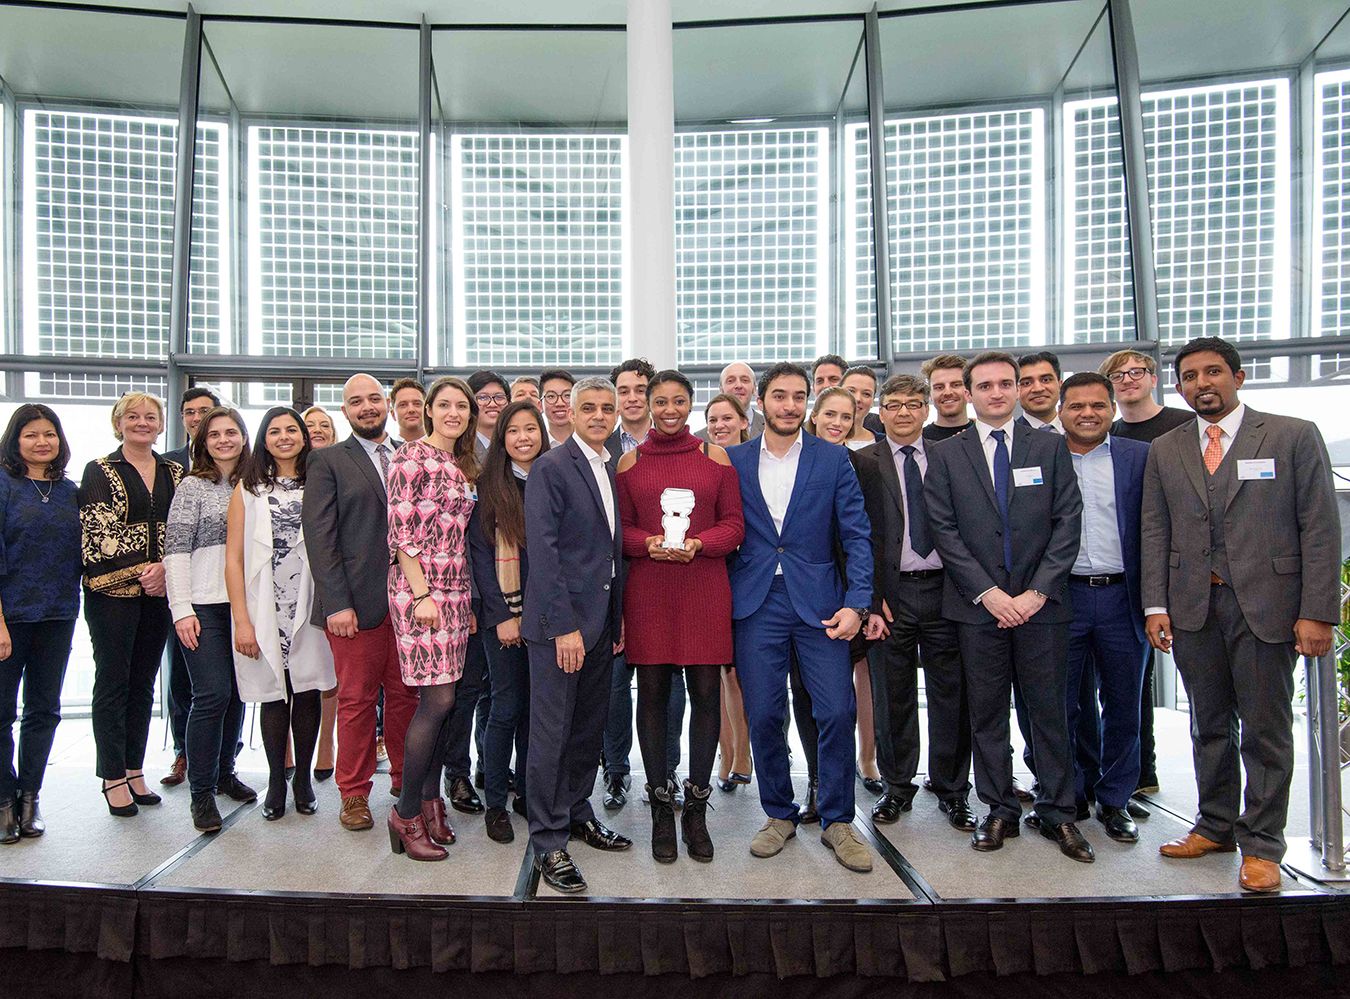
[1002, 474]
[916, 510]
[383, 453]
[1213, 450]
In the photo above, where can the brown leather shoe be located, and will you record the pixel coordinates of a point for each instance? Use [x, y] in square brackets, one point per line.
[1193, 845]
[433, 817]
[177, 773]
[356, 813]
[1259, 875]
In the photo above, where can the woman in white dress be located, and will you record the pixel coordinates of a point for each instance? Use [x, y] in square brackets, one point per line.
[281, 660]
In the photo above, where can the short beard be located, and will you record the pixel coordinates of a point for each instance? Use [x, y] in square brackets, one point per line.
[369, 433]
[778, 428]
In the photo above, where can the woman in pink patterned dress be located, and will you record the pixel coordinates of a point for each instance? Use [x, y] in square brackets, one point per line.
[431, 496]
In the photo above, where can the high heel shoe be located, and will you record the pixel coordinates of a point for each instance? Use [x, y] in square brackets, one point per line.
[322, 773]
[438, 828]
[121, 811]
[739, 778]
[148, 798]
[726, 784]
[410, 836]
[304, 805]
[875, 785]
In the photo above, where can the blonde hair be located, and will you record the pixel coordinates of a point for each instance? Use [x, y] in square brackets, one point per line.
[833, 390]
[128, 400]
[316, 409]
[1120, 357]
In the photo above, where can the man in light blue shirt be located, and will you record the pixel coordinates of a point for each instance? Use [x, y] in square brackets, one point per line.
[1108, 624]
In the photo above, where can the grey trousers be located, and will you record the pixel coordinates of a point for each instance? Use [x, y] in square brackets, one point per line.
[1241, 691]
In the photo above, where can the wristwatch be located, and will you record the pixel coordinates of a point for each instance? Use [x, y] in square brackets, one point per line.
[862, 612]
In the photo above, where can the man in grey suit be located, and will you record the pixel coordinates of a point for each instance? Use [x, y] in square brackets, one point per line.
[1005, 510]
[1238, 614]
[738, 379]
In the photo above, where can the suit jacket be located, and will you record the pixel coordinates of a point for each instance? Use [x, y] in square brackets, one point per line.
[1045, 521]
[1128, 459]
[572, 551]
[872, 422]
[182, 456]
[886, 511]
[756, 427]
[345, 518]
[614, 449]
[1282, 534]
[826, 507]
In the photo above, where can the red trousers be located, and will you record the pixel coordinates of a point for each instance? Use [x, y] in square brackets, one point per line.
[364, 664]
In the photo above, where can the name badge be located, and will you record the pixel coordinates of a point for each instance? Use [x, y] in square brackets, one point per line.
[1028, 476]
[470, 493]
[1256, 468]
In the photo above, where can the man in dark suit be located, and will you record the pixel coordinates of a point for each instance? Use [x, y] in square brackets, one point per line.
[195, 404]
[1241, 574]
[1005, 510]
[346, 524]
[907, 617]
[1108, 621]
[573, 626]
[800, 495]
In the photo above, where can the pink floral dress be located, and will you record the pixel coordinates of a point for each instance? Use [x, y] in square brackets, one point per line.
[429, 506]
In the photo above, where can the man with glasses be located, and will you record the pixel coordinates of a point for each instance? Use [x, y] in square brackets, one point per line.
[555, 392]
[196, 403]
[492, 395]
[1134, 376]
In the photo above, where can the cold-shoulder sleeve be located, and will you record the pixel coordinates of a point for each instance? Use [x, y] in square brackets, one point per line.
[634, 537]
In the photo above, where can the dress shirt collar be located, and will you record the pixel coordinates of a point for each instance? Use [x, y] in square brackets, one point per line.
[1103, 447]
[369, 446]
[916, 444]
[519, 472]
[985, 429]
[1230, 425]
[591, 453]
[486, 442]
[795, 446]
[1035, 423]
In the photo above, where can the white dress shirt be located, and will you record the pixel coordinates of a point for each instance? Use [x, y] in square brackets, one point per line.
[372, 452]
[1035, 424]
[776, 479]
[597, 462]
[988, 443]
[909, 560]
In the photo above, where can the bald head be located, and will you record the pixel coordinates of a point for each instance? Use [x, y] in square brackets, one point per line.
[739, 380]
[365, 407]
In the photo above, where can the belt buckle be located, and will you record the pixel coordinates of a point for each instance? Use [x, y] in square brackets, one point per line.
[1099, 581]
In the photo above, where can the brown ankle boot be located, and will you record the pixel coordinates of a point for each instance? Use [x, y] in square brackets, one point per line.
[438, 828]
[410, 836]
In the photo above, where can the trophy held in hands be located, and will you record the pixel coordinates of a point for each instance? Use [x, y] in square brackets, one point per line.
[676, 506]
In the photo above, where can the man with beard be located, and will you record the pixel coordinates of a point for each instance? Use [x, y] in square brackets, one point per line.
[346, 523]
[947, 389]
[1038, 390]
[800, 496]
[1241, 574]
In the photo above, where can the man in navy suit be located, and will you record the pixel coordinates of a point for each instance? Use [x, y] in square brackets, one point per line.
[800, 496]
[573, 626]
[1005, 511]
[1108, 615]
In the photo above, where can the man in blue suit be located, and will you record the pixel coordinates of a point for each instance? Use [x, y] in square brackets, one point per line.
[801, 497]
[572, 623]
[1108, 615]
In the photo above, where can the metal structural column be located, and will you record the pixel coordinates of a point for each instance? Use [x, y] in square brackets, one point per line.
[180, 286]
[426, 256]
[876, 150]
[651, 175]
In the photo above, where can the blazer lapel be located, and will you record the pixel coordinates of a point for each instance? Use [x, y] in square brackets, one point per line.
[1021, 444]
[805, 461]
[751, 493]
[970, 441]
[1245, 447]
[357, 453]
[886, 467]
[583, 467]
[1193, 461]
[1121, 475]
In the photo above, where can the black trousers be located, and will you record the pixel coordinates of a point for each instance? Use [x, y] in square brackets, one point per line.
[38, 662]
[128, 635]
[567, 729]
[921, 636]
[1241, 691]
[1034, 654]
[468, 690]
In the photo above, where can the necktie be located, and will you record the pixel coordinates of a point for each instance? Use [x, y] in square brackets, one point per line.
[1213, 450]
[1002, 475]
[383, 453]
[1048, 426]
[916, 510]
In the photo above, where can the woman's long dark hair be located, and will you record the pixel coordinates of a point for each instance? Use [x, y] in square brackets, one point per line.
[500, 506]
[203, 465]
[9, 444]
[463, 452]
[261, 468]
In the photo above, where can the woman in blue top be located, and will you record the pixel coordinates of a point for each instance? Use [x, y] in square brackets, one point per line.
[39, 601]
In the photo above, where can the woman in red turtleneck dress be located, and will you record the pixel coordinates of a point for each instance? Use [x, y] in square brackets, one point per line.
[677, 603]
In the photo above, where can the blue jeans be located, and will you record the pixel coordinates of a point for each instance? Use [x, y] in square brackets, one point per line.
[41, 651]
[508, 724]
[619, 726]
[216, 717]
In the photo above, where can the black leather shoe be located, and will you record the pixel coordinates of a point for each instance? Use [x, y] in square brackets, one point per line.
[9, 821]
[991, 832]
[1119, 826]
[31, 825]
[875, 785]
[478, 779]
[958, 814]
[726, 786]
[888, 808]
[1136, 810]
[322, 774]
[1024, 794]
[236, 790]
[593, 834]
[518, 806]
[808, 814]
[498, 822]
[559, 872]
[1082, 812]
[463, 798]
[615, 798]
[306, 801]
[205, 814]
[1071, 842]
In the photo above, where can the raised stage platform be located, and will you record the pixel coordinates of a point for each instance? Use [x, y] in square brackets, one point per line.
[146, 906]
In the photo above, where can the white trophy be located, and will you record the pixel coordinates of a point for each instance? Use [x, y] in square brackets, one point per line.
[676, 506]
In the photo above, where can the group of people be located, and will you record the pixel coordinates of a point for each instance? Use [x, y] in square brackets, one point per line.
[500, 571]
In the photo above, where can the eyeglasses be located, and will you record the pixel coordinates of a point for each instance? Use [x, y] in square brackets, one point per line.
[496, 399]
[914, 405]
[1133, 374]
[554, 397]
